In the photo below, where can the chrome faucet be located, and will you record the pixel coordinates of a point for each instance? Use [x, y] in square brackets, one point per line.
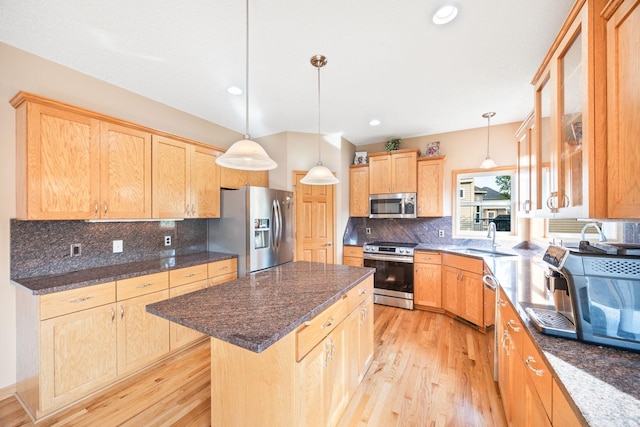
[603, 238]
[492, 234]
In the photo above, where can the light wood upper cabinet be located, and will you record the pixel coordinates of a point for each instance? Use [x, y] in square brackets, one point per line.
[359, 190]
[623, 81]
[236, 178]
[185, 180]
[58, 162]
[570, 118]
[393, 172]
[125, 172]
[430, 186]
[205, 183]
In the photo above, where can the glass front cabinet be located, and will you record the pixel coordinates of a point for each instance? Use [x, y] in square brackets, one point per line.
[570, 93]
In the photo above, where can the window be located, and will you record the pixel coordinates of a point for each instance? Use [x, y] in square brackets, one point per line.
[487, 198]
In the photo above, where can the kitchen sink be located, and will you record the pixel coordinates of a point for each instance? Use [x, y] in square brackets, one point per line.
[484, 252]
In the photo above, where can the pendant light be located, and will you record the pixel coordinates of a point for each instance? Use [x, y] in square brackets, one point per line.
[319, 174]
[246, 154]
[488, 163]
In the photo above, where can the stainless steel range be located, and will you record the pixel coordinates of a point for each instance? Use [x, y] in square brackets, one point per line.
[393, 279]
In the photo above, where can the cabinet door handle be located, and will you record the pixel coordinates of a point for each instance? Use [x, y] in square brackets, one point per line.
[511, 324]
[73, 301]
[121, 312]
[328, 323]
[95, 208]
[105, 206]
[113, 315]
[531, 360]
[502, 303]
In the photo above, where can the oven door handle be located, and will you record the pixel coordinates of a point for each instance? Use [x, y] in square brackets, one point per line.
[407, 260]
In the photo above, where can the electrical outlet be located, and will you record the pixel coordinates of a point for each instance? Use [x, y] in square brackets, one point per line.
[440, 233]
[167, 240]
[368, 230]
[117, 246]
[75, 250]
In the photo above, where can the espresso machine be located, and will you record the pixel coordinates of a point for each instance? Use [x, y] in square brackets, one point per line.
[596, 298]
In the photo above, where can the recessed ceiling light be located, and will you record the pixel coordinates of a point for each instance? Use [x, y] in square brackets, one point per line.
[445, 14]
[234, 90]
[374, 122]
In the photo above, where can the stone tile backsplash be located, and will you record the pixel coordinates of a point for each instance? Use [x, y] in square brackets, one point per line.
[43, 247]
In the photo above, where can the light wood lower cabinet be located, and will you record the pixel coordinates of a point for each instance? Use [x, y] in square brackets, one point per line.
[304, 379]
[352, 255]
[427, 279]
[530, 395]
[77, 355]
[190, 279]
[72, 343]
[462, 287]
[142, 337]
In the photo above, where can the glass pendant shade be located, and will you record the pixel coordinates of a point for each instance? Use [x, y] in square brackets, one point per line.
[488, 163]
[319, 175]
[246, 154]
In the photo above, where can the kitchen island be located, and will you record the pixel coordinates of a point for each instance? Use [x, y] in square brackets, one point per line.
[289, 344]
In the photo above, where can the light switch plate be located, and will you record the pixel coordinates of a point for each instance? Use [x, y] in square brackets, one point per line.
[117, 246]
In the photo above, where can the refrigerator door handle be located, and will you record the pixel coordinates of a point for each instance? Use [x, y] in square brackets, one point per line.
[275, 211]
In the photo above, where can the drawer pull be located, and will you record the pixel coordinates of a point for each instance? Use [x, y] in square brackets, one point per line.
[190, 275]
[501, 303]
[327, 324]
[144, 285]
[73, 301]
[531, 360]
[362, 292]
[511, 324]
[307, 323]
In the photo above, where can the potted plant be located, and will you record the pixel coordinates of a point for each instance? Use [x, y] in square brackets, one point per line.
[392, 144]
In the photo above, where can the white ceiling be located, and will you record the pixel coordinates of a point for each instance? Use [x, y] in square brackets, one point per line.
[386, 60]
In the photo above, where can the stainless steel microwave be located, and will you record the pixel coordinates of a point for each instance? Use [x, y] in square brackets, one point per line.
[399, 205]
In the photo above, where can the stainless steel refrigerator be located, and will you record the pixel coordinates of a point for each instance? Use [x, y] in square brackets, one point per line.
[256, 223]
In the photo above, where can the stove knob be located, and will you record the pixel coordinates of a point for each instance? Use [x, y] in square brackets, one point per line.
[401, 250]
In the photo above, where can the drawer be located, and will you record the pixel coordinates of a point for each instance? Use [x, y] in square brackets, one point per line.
[353, 261]
[427, 257]
[182, 276]
[359, 293]
[136, 286]
[220, 268]
[314, 330]
[474, 265]
[188, 288]
[232, 275]
[352, 251]
[511, 321]
[65, 302]
[538, 372]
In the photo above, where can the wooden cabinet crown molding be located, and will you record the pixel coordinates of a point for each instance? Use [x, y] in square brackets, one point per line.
[23, 96]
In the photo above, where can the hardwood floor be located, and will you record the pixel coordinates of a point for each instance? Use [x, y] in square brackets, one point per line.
[428, 370]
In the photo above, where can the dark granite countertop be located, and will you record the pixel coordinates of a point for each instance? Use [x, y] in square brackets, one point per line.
[255, 311]
[41, 285]
[602, 383]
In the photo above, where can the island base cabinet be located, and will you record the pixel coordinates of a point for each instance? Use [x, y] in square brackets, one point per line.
[291, 383]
